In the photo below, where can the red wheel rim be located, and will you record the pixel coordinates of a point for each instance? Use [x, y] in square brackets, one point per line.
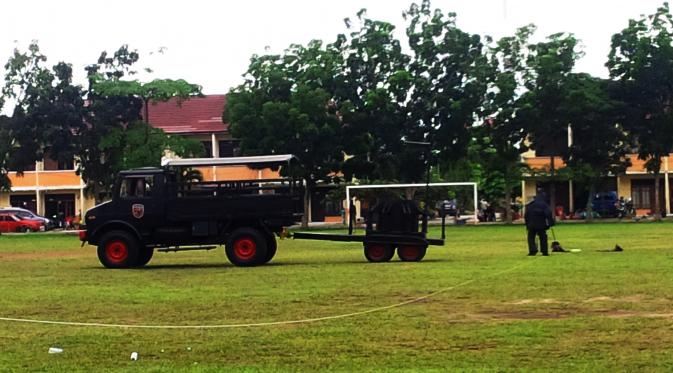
[245, 248]
[409, 252]
[376, 252]
[116, 251]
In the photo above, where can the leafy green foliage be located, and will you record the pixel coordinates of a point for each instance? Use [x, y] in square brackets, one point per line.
[285, 106]
[116, 139]
[500, 140]
[448, 67]
[49, 111]
[372, 102]
[641, 59]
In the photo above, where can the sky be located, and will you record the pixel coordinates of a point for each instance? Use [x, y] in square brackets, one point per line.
[210, 42]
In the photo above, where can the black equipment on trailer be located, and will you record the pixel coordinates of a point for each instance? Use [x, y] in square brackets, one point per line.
[391, 225]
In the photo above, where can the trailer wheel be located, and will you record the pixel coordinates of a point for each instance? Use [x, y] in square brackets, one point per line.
[118, 249]
[246, 247]
[271, 248]
[378, 253]
[411, 253]
[145, 256]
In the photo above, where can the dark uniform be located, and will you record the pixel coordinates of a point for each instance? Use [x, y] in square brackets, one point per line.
[538, 218]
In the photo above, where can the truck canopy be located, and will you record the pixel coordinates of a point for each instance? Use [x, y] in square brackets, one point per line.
[230, 161]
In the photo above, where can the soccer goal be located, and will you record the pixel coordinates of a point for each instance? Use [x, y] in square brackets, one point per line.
[464, 194]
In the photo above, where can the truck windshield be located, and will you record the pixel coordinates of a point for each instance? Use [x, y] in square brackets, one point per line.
[136, 187]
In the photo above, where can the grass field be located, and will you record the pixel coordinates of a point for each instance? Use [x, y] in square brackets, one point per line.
[499, 309]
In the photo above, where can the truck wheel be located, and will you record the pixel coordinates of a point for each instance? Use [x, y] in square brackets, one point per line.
[378, 253]
[271, 248]
[246, 247]
[411, 253]
[144, 256]
[118, 249]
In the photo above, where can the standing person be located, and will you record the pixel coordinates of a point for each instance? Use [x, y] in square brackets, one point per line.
[538, 219]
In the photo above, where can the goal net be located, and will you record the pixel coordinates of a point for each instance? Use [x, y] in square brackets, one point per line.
[460, 197]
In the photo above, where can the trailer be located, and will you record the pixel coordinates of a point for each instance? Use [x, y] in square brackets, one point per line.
[390, 226]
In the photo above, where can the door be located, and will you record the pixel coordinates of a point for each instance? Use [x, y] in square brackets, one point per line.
[140, 202]
[60, 207]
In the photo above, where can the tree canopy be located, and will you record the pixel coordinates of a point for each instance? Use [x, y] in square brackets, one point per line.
[641, 60]
[100, 126]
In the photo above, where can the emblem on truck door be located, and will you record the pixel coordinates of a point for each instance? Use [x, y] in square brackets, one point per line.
[138, 210]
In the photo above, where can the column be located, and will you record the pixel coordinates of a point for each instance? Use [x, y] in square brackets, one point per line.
[215, 150]
[39, 166]
[667, 194]
[571, 196]
[39, 202]
[523, 197]
[81, 203]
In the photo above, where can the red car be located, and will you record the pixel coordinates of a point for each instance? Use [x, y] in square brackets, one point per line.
[13, 223]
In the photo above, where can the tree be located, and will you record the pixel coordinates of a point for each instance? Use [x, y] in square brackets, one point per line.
[641, 60]
[502, 136]
[448, 69]
[5, 147]
[286, 106]
[116, 138]
[599, 145]
[550, 63]
[372, 101]
[48, 112]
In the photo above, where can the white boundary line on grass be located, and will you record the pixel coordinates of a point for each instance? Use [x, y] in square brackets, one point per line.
[270, 323]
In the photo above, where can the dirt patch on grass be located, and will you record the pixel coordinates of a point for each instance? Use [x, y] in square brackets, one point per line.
[35, 255]
[636, 298]
[536, 301]
[552, 315]
[648, 315]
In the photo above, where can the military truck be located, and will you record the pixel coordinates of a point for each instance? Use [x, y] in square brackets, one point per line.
[172, 209]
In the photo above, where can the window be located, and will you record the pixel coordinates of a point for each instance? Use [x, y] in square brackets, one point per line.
[67, 164]
[228, 148]
[208, 147]
[642, 197]
[136, 187]
[52, 163]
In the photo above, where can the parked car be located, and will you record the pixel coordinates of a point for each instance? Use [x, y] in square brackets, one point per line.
[605, 204]
[9, 222]
[27, 214]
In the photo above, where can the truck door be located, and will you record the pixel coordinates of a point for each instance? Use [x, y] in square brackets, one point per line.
[140, 201]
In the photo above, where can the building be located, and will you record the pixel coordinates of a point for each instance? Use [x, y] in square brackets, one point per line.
[50, 188]
[636, 183]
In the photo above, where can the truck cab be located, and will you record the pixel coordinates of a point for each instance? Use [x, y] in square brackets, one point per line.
[166, 209]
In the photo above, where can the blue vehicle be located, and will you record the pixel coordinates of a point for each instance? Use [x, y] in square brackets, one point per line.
[605, 204]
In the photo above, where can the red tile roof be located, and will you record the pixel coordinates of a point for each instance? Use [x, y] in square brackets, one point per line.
[196, 115]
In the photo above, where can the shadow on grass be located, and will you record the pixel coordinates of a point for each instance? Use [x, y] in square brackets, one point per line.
[159, 267]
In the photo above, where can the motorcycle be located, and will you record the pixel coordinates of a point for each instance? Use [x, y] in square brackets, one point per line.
[625, 208]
